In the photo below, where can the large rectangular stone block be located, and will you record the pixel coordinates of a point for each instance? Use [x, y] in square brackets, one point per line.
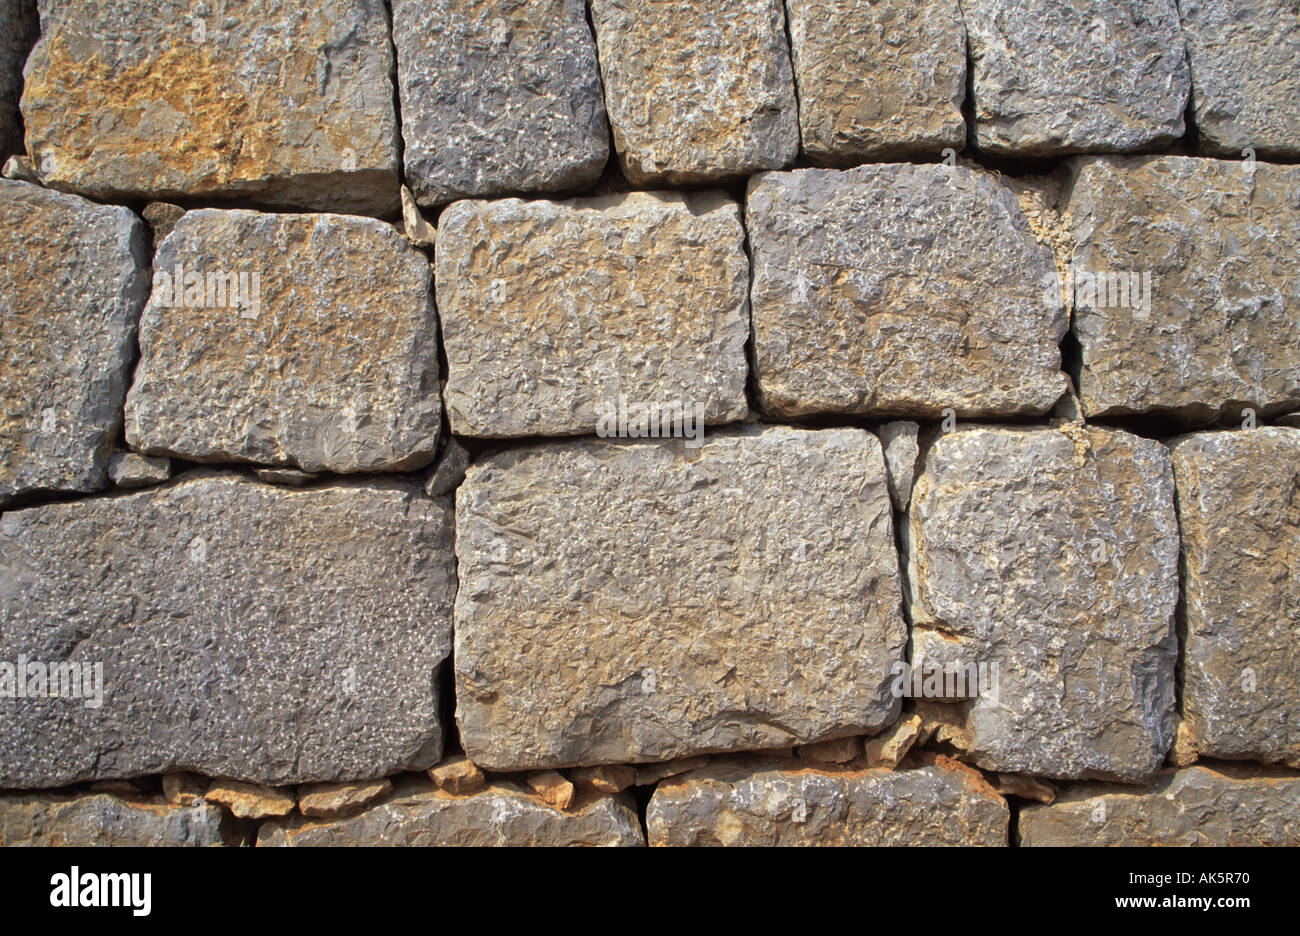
[777, 803]
[552, 311]
[878, 79]
[1217, 329]
[263, 633]
[498, 97]
[697, 92]
[288, 103]
[73, 278]
[98, 819]
[306, 340]
[1084, 76]
[900, 290]
[640, 601]
[1196, 806]
[1239, 511]
[1052, 554]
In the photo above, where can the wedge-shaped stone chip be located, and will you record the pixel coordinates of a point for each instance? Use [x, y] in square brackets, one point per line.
[288, 103]
[498, 97]
[572, 317]
[1185, 290]
[504, 814]
[216, 624]
[1245, 86]
[1193, 806]
[900, 290]
[878, 79]
[697, 91]
[73, 278]
[99, 819]
[784, 803]
[1087, 76]
[627, 602]
[1239, 511]
[1051, 557]
[301, 340]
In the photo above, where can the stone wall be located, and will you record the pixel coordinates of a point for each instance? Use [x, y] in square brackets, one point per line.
[650, 422]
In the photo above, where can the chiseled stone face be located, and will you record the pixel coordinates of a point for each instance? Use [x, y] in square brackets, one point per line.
[697, 91]
[900, 290]
[1193, 806]
[289, 103]
[1052, 553]
[501, 815]
[1245, 84]
[245, 630]
[53, 819]
[498, 97]
[638, 601]
[553, 311]
[878, 79]
[1215, 329]
[1083, 76]
[73, 278]
[783, 803]
[321, 354]
[1239, 510]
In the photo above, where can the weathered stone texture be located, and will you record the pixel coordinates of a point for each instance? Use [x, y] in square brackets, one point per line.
[334, 368]
[1054, 554]
[99, 819]
[697, 92]
[773, 803]
[329, 800]
[291, 104]
[899, 440]
[498, 97]
[18, 29]
[1245, 84]
[502, 814]
[73, 278]
[1218, 239]
[1087, 76]
[1239, 510]
[247, 631]
[900, 289]
[1194, 806]
[878, 79]
[129, 470]
[552, 311]
[640, 601]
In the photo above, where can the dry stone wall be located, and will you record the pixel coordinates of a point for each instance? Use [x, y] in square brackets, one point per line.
[626, 422]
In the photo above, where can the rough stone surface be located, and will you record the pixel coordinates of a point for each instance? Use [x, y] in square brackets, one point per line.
[502, 814]
[100, 819]
[653, 773]
[1030, 788]
[607, 778]
[1194, 806]
[20, 168]
[878, 80]
[417, 230]
[129, 470]
[335, 368]
[289, 477]
[1086, 76]
[292, 105]
[250, 800]
[900, 289]
[161, 218]
[888, 748]
[447, 475]
[182, 788]
[899, 440]
[1217, 238]
[498, 97]
[743, 595]
[73, 278]
[697, 92]
[1245, 84]
[457, 774]
[18, 30]
[1239, 511]
[247, 631]
[831, 751]
[551, 786]
[1052, 553]
[553, 310]
[334, 800]
[757, 803]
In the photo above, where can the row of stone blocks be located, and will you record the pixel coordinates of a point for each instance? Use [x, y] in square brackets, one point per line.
[898, 289]
[501, 97]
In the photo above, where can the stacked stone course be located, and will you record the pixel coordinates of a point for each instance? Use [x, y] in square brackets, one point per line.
[540, 422]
